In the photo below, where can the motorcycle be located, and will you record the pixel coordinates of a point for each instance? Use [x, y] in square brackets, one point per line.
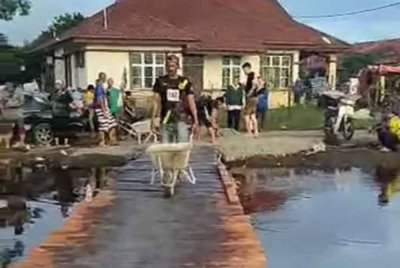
[339, 112]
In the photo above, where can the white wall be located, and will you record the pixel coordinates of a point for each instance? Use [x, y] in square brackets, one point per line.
[114, 59]
[212, 73]
[59, 65]
[254, 60]
[79, 75]
[111, 63]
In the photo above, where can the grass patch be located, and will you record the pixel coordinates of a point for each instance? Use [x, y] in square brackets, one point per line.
[300, 117]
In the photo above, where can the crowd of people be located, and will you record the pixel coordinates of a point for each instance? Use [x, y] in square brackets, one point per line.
[102, 105]
[176, 110]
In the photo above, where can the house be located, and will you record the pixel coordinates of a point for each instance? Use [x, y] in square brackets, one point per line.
[130, 39]
[389, 48]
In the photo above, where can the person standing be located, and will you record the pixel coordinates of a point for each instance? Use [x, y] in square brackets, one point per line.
[88, 99]
[106, 122]
[298, 90]
[174, 102]
[114, 99]
[61, 100]
[234, 99]
[262, 102]
[251, 101]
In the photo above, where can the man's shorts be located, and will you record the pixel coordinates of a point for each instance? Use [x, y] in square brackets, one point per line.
[251, 106]
[174, 132]
[203, 121]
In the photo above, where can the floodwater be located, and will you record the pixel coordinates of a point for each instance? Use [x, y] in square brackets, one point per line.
[311, 219]
[34, 202]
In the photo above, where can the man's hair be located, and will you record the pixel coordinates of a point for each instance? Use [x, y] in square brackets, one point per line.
[101, 73]
[246, 65]
[172, 58]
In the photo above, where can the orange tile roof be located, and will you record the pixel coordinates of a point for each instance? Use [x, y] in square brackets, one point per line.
[206, 25]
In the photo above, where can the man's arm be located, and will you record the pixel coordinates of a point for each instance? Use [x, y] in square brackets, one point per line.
[193, 108]
[156, 109]
[156, 106]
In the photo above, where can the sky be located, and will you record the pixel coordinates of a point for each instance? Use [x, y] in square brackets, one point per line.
[382, 24]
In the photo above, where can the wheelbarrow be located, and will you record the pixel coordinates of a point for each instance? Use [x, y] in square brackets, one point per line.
[171, 164]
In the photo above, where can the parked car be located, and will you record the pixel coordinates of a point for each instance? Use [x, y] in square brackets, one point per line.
[43, 123]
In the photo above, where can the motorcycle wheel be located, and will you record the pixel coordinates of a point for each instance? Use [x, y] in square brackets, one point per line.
[329, 126]
[348, 130]
[43, 134]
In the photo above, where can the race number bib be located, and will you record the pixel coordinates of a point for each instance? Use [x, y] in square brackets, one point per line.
[173, 95]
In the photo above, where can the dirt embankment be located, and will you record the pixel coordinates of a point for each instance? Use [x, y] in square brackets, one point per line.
[333, 158]
[72, 157]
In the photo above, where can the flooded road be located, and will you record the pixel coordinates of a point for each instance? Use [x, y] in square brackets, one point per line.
[345, 219]
[34, 202]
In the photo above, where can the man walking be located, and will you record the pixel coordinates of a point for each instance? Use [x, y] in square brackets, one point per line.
[174, 102]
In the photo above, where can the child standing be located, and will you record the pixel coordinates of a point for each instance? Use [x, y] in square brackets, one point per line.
[88, 99]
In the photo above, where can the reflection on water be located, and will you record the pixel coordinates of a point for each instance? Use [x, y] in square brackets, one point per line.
[34, 201]
[330, 219]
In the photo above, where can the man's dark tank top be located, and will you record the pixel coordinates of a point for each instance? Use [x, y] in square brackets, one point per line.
[249, 82]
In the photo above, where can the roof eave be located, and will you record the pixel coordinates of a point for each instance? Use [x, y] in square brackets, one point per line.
[132, 41]
[223, 51]
[305, 46]
[114, 41]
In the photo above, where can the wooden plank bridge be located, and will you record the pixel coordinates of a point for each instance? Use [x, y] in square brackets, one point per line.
[196, 228]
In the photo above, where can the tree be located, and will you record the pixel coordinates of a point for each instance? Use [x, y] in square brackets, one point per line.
[352, 63]
[65, 22]
[3, 40]
[61, 24]
[11, 8]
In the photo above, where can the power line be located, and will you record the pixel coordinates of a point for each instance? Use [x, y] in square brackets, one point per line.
[349, 13]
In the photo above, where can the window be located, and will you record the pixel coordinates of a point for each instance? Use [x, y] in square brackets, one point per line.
[68, 70]
[145, 68]
[230, 68]
[79, 59]
[276, 70]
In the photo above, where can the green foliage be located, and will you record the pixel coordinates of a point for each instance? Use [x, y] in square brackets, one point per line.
[10, 63]
[353, 63]
[65, 22]
[3, 40]
[11, 8]
[299, 117]
[61, 24]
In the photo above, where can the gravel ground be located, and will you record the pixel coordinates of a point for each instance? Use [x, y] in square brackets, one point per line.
[236, 146]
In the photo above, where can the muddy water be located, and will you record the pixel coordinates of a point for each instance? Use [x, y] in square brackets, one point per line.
[345, 219]
[34, 202]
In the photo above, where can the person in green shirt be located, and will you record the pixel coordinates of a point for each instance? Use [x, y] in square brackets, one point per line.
[115, 102]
